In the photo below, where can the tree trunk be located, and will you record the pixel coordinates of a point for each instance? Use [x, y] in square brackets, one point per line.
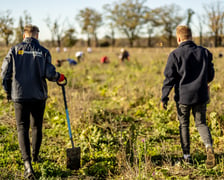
[201, 38]
[88, 41]
[170, 40]
[59, 42]
[7, 41]
[130, 42]
[216, 39]
[112, 38]
[150, 37]
[96, 40]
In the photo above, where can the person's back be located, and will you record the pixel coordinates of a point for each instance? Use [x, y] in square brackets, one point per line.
[71, 62]
[124, 55]
[104, 60]
[189, 69]
[31, 65]
[192, 63]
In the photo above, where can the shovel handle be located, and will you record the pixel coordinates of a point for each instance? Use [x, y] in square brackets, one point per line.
[66, 109]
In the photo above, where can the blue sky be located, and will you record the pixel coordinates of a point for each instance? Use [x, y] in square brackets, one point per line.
[67, 9]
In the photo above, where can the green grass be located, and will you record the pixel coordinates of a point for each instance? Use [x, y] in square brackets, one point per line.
[117, 121]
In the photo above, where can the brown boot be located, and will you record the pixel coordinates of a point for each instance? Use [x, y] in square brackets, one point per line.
[210, 162]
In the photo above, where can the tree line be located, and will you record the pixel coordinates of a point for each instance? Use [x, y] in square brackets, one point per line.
[126, 17]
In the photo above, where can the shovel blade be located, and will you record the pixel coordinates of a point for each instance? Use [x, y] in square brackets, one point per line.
[73, 158]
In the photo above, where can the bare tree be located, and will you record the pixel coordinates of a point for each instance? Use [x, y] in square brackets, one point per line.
[190, 13]
[169, 18]
[6, 26]
[215, 15]
[56, 30]
[149, 31]
[112, 34]
[90, 20]
[23, 20]
[128, 16]
[200, 28]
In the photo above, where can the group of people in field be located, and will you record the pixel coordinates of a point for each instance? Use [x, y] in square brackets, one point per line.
[80, 56]
[27, 66]
[123, 56]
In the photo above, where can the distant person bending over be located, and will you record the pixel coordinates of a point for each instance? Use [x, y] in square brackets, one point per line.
[79, 55]
[24, 72]
[189, 69]
[104, 60]
[124, 55]
[71, 62]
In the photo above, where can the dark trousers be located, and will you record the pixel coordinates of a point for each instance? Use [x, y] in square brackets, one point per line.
[199, 113]
[29, 114]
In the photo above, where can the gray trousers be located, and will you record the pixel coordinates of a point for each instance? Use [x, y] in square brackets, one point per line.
[199, 113]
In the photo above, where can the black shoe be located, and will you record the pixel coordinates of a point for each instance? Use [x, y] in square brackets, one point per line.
[37, 159]
[28, 173]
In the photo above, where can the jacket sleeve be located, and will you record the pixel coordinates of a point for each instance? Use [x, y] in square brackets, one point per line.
[6, 72]
[211, 71]
[50, 71]
[170, 74]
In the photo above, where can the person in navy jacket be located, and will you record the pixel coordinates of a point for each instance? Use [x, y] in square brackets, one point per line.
[24, 72]
[189, 69]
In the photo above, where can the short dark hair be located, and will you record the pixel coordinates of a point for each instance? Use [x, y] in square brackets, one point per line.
[184, 32]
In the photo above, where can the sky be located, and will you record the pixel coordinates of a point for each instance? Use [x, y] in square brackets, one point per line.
[68, 9]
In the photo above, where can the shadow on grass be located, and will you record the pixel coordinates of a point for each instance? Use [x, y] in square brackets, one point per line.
[219, 158]
[198, 159]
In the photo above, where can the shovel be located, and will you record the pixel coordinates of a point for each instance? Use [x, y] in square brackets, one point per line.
[73, 154]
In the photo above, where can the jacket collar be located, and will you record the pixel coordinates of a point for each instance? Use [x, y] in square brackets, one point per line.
[30, 39]
[189, 42]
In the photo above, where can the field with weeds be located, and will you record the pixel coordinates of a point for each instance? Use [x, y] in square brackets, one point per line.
[116, 119]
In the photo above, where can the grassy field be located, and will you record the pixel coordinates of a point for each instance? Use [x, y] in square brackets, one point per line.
[116, 120]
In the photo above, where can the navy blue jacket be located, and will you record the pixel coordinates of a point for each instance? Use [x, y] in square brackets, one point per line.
[189, 69]
[24, 70]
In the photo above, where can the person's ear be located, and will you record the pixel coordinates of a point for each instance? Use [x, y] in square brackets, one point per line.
[178, 40]
[24, 36]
